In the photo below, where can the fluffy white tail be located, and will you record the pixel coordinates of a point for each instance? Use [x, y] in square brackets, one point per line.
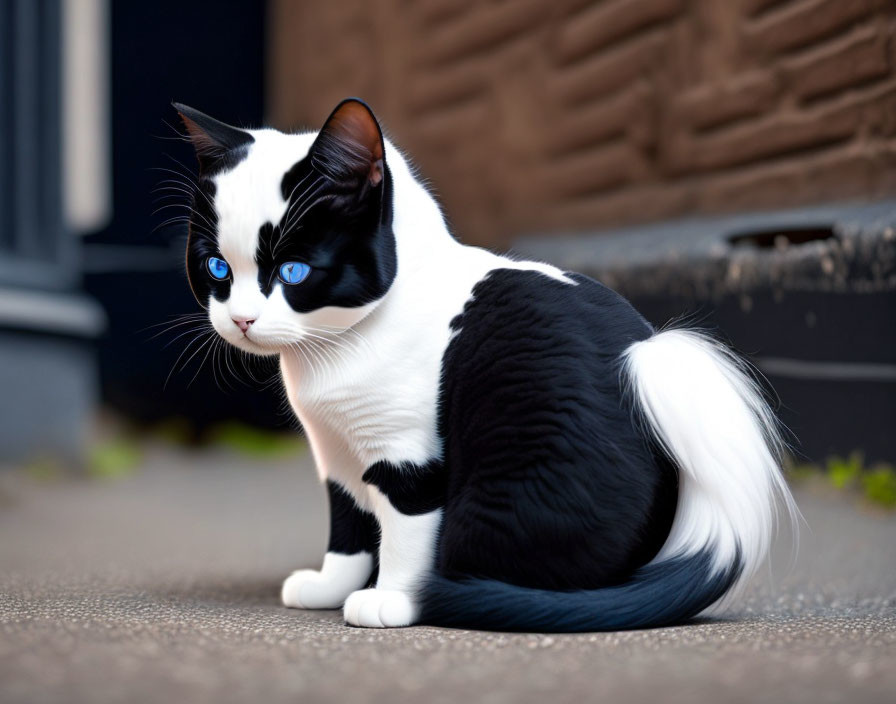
[702, 406]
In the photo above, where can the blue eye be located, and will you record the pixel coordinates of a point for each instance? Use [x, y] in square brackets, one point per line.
[294, 272]
[218, 268]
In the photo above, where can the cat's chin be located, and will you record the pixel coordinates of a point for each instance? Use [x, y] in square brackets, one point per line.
[261, 348]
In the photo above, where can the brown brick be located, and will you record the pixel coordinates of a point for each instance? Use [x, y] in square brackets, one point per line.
[431, 13]
[841, 63]
[880, 114]
[604, 23]
[610, 70]
[756, 7]
[345, 71]
[793, 135]
[630, 112]
[716, 104]
[480, 29]
[653, 201]
[452, 83]
[787, 133]
[454, 124]
[840, 174]
[592, 171]
[778, 135]
[800, 23]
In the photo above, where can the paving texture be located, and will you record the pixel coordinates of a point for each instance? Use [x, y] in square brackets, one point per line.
[163, 586]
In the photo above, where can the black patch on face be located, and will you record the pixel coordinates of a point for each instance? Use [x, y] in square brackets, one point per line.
[202, 243]
[219, 147]
[338, 221]
[342, 230]
[551, 482]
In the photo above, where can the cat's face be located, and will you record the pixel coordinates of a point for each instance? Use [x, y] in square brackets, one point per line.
[290, 235]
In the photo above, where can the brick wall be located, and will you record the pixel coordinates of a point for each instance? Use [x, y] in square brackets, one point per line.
[550, 115]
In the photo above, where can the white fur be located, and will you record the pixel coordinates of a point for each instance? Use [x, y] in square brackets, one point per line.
[364, 382]
[380, 608]
[707, 412]
[407, 552]
[339, 576]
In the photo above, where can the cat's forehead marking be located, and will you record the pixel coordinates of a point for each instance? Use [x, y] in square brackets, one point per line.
[249, 195]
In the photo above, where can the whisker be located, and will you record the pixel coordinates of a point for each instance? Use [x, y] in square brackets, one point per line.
[183, 352]
[175, 319]
[317, 202]
[302, 182]
[202, 363]
[184, 333]
[187, 175]
[300, 202]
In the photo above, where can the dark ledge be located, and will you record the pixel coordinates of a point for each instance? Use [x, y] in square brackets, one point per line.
[838, 248]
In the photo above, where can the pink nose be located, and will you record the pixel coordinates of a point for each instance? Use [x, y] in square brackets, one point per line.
[242, 323]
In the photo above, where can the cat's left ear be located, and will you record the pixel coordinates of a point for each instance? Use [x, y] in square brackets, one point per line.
[350, 145]
[213, 140]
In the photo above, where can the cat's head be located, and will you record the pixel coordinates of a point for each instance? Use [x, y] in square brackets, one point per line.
[290, 234]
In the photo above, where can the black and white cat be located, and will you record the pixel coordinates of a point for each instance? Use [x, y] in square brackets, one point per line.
[506, 445]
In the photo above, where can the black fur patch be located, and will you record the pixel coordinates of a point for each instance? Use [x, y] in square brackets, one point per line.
[551, 485]
[351, 529]
[343, 232]
[411, 489]
[202, 244]
[340, 225]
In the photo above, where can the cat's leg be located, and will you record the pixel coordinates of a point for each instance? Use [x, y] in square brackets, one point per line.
[408, 508]
[349, 561]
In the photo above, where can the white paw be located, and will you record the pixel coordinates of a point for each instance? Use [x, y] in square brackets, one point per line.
[379, 608]
[339, 576]
[309, 589]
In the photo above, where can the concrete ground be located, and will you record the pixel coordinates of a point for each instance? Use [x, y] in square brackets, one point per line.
[163, 586]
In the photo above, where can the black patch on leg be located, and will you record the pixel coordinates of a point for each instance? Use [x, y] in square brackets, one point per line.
[351, 529]
[412, 489]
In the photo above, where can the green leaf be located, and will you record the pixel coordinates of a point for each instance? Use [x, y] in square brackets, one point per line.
[880, 485]
[844, 472]
[257, 443]
[113, 459]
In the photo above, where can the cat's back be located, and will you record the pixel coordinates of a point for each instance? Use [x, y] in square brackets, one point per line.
[534, 351]
[517, 305]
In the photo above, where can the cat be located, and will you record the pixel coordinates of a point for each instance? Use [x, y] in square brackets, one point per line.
[505, 445]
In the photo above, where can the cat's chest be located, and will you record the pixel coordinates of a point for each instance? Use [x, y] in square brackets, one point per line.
[367, 408]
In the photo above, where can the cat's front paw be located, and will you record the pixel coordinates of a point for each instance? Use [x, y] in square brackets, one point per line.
[380, 608]
[309, 589]
[328, 588]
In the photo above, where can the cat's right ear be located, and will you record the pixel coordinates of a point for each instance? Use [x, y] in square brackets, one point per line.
[215, 142]
[350, 147]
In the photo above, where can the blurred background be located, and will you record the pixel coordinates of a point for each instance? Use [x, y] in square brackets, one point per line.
[730, 163]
